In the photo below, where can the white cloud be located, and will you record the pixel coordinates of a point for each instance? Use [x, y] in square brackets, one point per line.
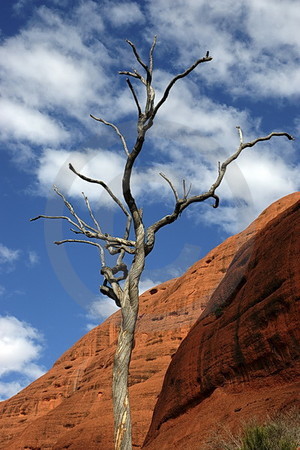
[51, 66]
[18, 121]
[146, 284]
[20, 347]
[257, 179]
[125, 14]
[10, 388]
[100, 309]
[2, 290]
[253, 43]
[7, 255]
[97, 164]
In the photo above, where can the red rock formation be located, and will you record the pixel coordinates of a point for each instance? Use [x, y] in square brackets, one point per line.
[70, 406]
[241, 358]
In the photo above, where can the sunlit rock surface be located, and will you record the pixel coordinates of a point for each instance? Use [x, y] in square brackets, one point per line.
[241, 358]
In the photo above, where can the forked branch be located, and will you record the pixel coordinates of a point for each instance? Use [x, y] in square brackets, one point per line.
[183, 203]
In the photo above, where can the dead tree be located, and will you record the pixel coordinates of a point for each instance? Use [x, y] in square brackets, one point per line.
[137, 240]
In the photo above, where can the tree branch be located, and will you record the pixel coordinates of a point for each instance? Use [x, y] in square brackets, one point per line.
[182, 204]
[151, 55]
[177, 77]
[171, 186]
[104, 185]
[41, 216]
[91, 212]
[138, 58]
[116, 130]
[82, 241]
[134, 96]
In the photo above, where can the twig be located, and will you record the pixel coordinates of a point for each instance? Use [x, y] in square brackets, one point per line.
[240, 134]
[101, 183]
[134, 96]
[171, 185]
[151, 55]
[138, 58]
[116, 130]
[91, 212]
[41, 216]
[177, 77]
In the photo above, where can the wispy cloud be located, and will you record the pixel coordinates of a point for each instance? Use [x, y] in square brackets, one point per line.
[20, 348]
[33, 258]
[253, 57]
[124, 14]
[8, 257]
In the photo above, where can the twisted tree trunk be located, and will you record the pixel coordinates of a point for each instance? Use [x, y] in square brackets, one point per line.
[122, 359]
[130, 307]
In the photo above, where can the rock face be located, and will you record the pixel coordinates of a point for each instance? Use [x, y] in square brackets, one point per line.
[241, 358]
[70, 406]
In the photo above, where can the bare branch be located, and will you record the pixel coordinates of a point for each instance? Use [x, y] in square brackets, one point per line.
[115, 249]
[217, 201]
[266, 138]
[100, 248]
[240, 134]
[151, 55]
[104, 185]
[91, 212]
[116, 130]
[57, 217]
[83, 241]
[70, 208]
[134, 96]
[177, 77]
[171, 185]
[181, 205]
[134, 74]
[138, 58]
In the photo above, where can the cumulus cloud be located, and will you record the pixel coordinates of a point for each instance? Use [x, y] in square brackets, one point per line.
[52, 66]
[20, 348]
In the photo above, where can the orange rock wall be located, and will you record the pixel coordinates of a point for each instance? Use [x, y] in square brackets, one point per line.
[241, 358]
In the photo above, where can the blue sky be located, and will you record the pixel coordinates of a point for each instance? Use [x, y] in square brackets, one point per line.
[59, 62]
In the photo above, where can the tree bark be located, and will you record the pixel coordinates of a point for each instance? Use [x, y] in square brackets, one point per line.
[129, 309]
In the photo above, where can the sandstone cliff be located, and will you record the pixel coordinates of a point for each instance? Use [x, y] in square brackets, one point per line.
[70, 406]
[241, 358]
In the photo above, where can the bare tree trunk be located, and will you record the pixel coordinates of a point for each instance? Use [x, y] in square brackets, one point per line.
[130, 307]
[122, 418]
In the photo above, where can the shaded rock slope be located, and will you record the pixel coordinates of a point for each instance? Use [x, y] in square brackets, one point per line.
[241, 358]
[70, 406]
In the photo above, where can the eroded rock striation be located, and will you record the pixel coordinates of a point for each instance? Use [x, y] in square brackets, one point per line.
[70, 406]
[241, 358]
